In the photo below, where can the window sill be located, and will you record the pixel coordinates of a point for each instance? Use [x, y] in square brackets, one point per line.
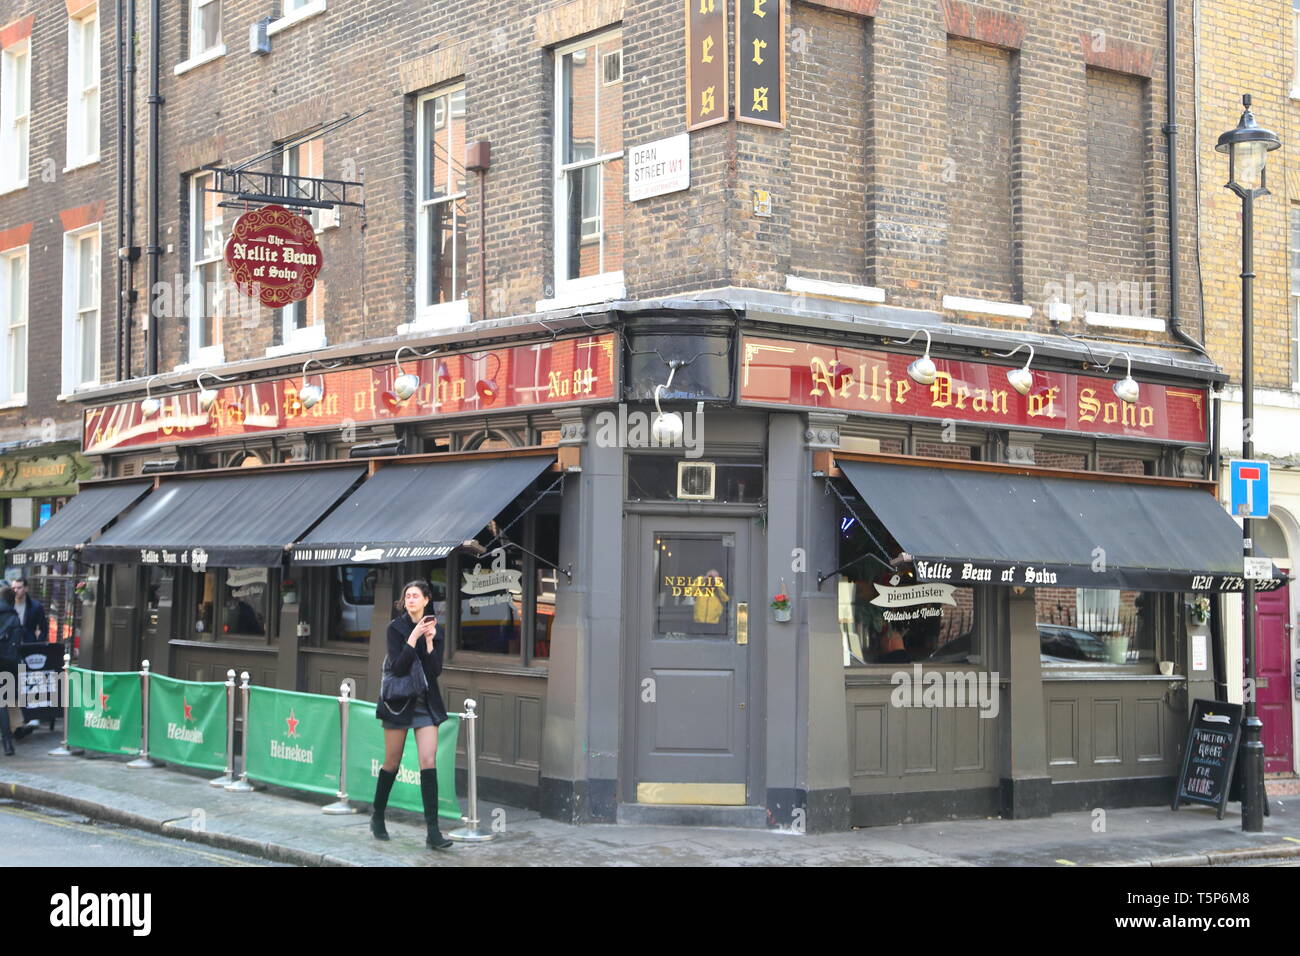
[1010, 310]
[445, 315]
[205, 359]
[834, 290]
[81, 163]
[19, 402]
[207, 56]
[1113, 320]
[603, 288]
[309, 339]
[296, 17]
[13, 188]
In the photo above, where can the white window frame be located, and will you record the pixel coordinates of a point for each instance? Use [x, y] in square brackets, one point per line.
[9, 321]
[214, 354]
[1293, 255]
[312, 336]
[15, 117]
[74, 321]
[437, 315]
[604, 285]
[1295, 49]
[83, 100]
[295, 11]
[196, 56]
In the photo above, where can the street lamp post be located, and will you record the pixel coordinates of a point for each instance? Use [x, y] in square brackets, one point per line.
[1247, 146]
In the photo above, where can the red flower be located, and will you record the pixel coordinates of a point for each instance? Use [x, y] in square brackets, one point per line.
[780, 597]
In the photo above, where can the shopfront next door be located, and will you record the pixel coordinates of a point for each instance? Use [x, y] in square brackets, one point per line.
[693, 622]
[1273, 688]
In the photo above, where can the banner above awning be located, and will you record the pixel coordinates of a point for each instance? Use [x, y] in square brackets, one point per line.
[984, 527]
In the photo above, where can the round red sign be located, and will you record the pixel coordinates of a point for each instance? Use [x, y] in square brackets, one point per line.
[273, 256]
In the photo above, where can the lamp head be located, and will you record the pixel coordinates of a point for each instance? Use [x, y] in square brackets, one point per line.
[207, 398]
[922, 370]
[310, 395]
[667, 429]
[150, 406]
[405, 385]
[1247, 144]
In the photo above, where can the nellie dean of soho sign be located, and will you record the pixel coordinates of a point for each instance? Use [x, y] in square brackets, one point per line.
[273, 256]
[663, 166]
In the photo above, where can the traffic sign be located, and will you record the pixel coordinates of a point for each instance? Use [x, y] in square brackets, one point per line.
[1249, 483]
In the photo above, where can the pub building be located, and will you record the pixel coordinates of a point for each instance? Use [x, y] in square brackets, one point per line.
[991, 564]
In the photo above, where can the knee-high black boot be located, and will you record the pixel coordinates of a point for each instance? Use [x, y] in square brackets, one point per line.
[5, 735]
[429, 793]
[382, 788]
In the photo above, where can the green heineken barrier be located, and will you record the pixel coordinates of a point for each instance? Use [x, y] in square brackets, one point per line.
[366, 755]
[187, 722]
[110, 720]
[293, 739]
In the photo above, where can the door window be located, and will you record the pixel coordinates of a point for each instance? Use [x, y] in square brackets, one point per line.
[693, 578]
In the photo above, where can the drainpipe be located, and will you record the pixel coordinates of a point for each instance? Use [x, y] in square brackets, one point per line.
[153, 250]
[122, 123]
[1171, 137]
[132, 253]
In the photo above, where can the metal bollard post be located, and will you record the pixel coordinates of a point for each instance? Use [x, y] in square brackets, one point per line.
[470, 833]
[228, 777]
[143, 762]
[242, 785]
[342, 805]
[62, 749]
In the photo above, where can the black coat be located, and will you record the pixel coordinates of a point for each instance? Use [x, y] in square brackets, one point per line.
[11, 636]
[38, 623]
[402, 656]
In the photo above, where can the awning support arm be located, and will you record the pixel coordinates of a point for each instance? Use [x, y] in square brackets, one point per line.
[500, 535]
[823, 578]
[567, 570]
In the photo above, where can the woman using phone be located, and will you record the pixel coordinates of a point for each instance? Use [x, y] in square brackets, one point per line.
[413, 641]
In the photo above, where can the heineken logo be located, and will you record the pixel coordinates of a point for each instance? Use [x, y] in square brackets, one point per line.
[188, 734]
[404, 774]
[283, 751]
[101, 720]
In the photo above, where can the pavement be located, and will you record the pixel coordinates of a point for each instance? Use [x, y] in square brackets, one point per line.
[284, 826]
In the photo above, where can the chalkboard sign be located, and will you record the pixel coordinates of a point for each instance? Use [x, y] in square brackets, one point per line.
[42, 666]
[1212, 740]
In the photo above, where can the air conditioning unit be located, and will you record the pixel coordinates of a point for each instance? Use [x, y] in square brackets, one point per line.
[695, 480]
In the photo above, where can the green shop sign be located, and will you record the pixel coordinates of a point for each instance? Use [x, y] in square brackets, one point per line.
[43, 475]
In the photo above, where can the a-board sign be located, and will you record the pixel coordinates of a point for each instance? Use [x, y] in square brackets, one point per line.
[1213, 736]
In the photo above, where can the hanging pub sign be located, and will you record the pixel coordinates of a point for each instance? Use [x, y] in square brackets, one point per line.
[776, 372]
[706, 63]
[273, 256]
[760, 62]
[567, 372]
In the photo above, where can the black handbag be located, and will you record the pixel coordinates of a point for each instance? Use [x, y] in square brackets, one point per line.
[398, 691]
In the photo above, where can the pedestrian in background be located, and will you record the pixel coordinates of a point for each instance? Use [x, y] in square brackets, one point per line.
[413, 641]
[31, 612]
[11, 635]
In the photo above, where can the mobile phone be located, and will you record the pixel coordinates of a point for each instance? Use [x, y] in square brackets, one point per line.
[427, 618]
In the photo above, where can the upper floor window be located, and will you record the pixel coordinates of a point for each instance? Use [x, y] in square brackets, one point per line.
[207, 273]
[1295, 47]
[589, 164]
[205, 27]
[15, 113]
[1295, 295]
[441, 280]
[13, 325]
[81, 308]
[83, 89]
[302, 324]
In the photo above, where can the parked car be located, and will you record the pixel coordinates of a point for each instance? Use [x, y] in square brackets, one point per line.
[1059, 644]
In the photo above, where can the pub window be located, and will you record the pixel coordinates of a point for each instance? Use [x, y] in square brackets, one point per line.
[548, 582]
[885, 615]
[589, 165]
[235, 602]
[207, 251]
[1095, 626]
[441, 267]
[352, 602]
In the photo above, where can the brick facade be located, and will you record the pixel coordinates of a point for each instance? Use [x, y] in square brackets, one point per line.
[1249, 48]
[38, 214]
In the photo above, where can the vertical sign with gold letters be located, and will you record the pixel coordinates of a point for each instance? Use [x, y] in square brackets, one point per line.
[706, 63]
[760, 62]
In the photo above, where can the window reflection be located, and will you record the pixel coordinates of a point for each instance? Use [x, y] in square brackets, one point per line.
[692, 578]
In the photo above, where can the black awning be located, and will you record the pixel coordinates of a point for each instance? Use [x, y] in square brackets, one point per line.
[418, 512]
[83, 517]
[983, 527]
[229, 521]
